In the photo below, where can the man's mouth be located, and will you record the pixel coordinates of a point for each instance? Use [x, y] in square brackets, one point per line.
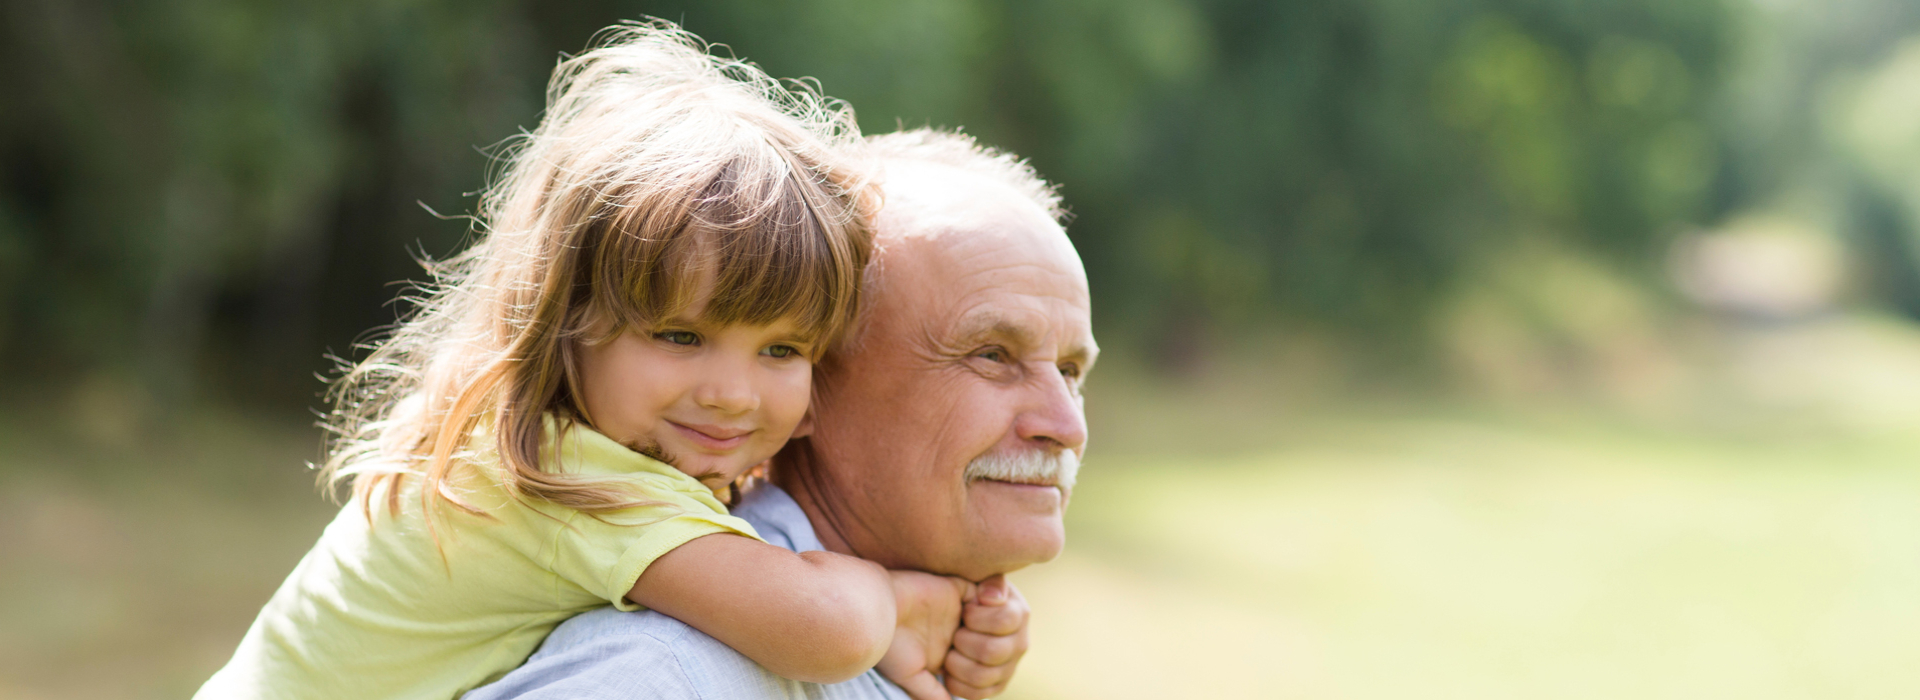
[1018, 481]
[1022, 497]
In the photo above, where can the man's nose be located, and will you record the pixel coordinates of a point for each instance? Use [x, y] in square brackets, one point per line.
[1055, 417]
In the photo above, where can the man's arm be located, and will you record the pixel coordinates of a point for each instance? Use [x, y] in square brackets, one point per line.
[818, 617]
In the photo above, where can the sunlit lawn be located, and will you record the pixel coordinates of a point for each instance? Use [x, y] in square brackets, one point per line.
[1427, 557]
[1411, 553]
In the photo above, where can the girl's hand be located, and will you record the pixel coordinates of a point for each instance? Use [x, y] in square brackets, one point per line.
[990, 643]
[929, 608]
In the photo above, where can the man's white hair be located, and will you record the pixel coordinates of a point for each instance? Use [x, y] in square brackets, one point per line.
[960, 150]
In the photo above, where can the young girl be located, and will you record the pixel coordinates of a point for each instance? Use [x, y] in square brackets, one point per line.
[555, 428]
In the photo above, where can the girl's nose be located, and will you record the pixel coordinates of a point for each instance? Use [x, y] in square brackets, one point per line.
[732, 393]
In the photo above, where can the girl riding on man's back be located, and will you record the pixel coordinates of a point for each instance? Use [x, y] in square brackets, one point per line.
[556, 426]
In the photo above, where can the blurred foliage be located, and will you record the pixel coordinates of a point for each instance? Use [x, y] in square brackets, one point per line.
[200, 197]
[213, 191]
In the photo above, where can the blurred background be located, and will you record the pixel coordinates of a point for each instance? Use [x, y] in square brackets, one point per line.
[1460, 348]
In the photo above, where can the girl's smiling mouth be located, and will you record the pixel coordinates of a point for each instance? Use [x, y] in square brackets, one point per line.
[713, 437]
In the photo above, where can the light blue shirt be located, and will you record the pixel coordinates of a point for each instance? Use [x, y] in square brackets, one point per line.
[611, 655]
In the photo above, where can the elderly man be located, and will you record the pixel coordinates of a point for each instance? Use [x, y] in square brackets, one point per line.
[944, 436]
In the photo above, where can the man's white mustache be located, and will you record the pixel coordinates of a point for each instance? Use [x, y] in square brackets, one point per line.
[1027, 467]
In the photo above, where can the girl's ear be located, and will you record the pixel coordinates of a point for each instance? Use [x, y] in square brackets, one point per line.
[805, 427]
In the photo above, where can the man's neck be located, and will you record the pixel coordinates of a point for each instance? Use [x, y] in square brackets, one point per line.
[789, 478]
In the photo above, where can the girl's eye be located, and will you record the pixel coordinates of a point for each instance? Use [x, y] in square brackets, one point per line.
[678, 337]
[780, 351]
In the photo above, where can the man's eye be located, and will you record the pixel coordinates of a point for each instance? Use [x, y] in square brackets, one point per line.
[678, 337]
[1070, 371]
[992, 355]
[780, 351]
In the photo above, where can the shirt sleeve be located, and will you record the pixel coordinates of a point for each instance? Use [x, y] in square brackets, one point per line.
[604, 554]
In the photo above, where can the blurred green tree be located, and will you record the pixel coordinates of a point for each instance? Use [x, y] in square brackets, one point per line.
[198, 191]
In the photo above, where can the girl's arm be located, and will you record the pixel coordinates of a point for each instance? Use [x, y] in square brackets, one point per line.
[972, 635]
[817, 617]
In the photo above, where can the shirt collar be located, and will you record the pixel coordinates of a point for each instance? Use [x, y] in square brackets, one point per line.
[777, 517]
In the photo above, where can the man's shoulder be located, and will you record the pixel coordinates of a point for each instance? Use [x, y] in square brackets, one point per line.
[777, 517]
[608, 654]
[611, 625]
[642, 633]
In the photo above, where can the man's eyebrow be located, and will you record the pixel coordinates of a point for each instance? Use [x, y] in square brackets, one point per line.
[988, 325]
[1082, 355]
[983, 326]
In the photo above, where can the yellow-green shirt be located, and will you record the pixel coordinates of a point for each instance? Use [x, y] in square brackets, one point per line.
[374, 611]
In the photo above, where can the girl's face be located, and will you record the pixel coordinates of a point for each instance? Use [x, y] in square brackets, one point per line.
[711, 400]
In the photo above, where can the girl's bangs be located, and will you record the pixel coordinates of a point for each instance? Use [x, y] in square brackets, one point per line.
[761, 256]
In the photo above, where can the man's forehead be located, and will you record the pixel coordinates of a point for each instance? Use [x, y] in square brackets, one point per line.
[982, 257]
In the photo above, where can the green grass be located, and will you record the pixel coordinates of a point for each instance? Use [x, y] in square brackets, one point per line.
[132, 567]
[1487, 557]
[1417, 551]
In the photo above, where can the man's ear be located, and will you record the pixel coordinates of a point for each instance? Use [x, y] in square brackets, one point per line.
[805, 427]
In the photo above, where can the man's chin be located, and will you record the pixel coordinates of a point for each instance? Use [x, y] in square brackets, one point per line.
[1019, 523]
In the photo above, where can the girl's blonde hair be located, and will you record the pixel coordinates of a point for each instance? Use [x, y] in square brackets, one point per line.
[658, 170]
